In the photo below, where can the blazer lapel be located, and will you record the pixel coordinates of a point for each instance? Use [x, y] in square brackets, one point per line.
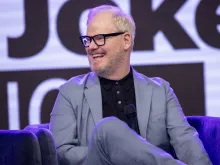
[93, 96]
[143, 93]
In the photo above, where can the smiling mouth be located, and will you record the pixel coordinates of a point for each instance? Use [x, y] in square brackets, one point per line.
[96, 56]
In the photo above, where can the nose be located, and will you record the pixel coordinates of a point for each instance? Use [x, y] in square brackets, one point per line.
[93, 45]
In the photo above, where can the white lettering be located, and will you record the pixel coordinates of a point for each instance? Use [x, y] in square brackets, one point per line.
[38, 96]
[13, 106]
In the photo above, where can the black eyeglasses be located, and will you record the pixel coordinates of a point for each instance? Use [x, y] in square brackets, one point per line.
[99, 39]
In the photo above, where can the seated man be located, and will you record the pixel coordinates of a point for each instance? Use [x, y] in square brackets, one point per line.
[115, 115]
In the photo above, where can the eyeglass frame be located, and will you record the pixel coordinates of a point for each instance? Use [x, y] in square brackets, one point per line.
[104, 36]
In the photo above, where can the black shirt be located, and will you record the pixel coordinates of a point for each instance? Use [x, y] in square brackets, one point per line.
[116, 95]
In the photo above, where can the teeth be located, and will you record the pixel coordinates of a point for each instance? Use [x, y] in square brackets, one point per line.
[98, 55]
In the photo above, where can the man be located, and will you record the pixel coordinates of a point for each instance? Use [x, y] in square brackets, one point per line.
[148, 122]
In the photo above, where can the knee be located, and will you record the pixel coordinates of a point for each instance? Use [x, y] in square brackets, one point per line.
[109, 125]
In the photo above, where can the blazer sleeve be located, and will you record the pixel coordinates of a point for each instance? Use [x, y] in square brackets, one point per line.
[63, 125]
[184, 138]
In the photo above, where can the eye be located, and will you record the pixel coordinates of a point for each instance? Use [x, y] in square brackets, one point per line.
[86, 40]
[99, 37]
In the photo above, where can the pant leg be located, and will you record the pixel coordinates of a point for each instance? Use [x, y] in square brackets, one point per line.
[114, 143]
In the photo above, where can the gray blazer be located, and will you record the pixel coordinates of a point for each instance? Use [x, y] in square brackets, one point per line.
[78, 108]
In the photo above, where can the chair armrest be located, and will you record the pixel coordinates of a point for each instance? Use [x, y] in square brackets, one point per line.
[46, 142]
[45, 125]
[18, 147]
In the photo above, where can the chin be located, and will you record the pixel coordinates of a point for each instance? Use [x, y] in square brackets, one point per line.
[97, 67]
[101, 71]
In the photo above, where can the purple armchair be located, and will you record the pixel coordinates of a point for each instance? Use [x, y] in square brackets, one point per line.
[207, 127]
[35, 144]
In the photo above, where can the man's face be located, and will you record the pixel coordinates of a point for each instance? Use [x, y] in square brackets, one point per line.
[106, 59]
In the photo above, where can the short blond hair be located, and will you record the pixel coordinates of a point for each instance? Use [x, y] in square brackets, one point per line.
[123, 22]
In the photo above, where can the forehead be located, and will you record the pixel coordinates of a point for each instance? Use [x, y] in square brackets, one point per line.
[101, 23]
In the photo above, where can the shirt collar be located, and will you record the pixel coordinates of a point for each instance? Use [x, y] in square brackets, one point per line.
[125, 82]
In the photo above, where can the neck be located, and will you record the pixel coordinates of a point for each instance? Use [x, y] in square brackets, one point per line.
[119, 74]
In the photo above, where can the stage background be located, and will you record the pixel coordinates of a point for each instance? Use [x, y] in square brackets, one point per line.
[178, 40]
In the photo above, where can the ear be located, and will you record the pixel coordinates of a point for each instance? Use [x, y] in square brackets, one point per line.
[127, 41]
